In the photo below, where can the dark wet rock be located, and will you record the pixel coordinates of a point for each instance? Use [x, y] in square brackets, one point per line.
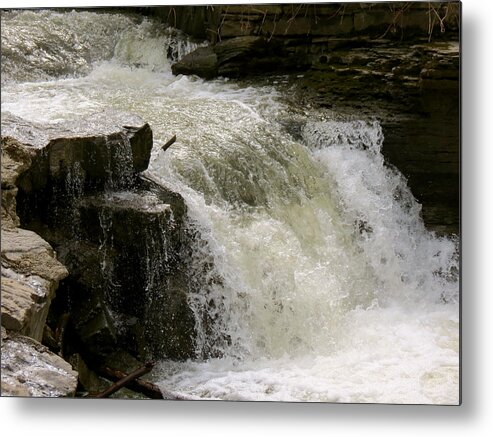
[201, 62]
[106, 148]
[30, 369]
[413, 90]
[87, 213]
[127, 287]
[254, 55]
[392, 20]
[241, 56]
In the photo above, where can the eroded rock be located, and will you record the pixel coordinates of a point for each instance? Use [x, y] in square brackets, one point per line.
[120, 237]
[30, 369]
[30, 276]
[107, 148]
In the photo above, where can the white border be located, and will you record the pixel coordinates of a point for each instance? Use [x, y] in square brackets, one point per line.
[474, 418]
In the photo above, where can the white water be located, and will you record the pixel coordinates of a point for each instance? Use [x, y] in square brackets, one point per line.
[330, 287]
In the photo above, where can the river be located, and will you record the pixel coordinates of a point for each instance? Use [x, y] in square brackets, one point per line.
[331, 289]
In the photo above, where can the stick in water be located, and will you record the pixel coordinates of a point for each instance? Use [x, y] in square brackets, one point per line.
[127, 379]
[169, 143]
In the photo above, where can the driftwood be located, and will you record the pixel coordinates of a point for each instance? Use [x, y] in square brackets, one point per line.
[125, 380]
[169, 143]
[138, 385]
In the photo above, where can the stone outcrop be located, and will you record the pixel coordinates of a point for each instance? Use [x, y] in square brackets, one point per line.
[291, 21]
[92, 253]
[30, 276]
[287, 37]
[202, 60]
[413, 90]
[128, 285]
[102, 150]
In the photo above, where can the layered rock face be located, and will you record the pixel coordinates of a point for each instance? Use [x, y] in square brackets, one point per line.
[413, 89]
[30, 276]
[286, 37]
[79, 220]
[30, 369]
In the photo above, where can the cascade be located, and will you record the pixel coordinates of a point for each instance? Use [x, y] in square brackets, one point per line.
[301, 264]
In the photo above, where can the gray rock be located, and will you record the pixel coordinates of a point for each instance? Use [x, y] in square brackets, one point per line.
[241, 56]
[30, 276]
[30, 369]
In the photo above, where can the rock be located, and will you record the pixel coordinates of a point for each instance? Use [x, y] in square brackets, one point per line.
[30, 369]
[127, 289]
[120, 237]
[202, 62]
[25, 305]
[27, 253]
[240, 56]
[88, 379]
[413, 90]
[15, 160]
[30, 276]
[105, 148]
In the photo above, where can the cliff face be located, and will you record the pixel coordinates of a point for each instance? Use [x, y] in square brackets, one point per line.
[313, 21]
[398, 62]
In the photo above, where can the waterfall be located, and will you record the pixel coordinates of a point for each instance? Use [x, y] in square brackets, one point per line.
[314, 277]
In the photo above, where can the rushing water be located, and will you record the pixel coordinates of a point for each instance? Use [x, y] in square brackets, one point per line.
[330, 287]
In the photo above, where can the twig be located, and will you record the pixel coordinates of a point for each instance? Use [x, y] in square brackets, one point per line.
[169, 143]
[396, 16]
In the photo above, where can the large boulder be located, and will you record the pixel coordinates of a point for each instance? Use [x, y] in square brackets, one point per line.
[44, 169]
[77, 186]
[128, 287]
[201, 62]
[104, 149]
[241, 56]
